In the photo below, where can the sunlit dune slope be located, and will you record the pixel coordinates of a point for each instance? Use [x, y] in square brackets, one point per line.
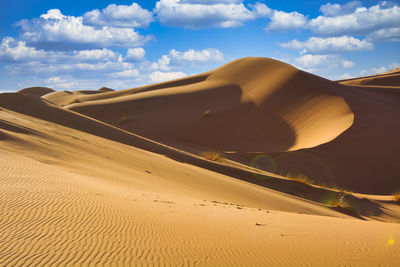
[248, 105]
[390, 78]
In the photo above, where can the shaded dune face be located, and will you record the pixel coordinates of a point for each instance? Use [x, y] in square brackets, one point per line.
[249, 105]
[36, 91]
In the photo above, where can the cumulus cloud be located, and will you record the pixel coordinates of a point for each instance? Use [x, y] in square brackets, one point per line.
[347, 64]
[362, 21]
[176, 58]
[126, 73]
[56, 29]
[333, 10]
[13, 50]
[211, 2]
[385, 35]
[283, 21]
[119, 16]
[65, 69]
[317, 45]
[205, 14]
[311, 62]
[135, 54]
[26, 60]
[158, 76]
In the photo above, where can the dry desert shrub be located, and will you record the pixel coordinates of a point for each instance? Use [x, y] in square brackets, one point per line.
[396, 197]
[302, 178]
[124, 119]
[213, 155]
[207, 113]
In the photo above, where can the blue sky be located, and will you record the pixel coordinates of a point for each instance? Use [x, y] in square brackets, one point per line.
[122, 44]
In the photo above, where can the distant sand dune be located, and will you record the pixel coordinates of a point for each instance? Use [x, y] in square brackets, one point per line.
[36, 91]
[390, 78]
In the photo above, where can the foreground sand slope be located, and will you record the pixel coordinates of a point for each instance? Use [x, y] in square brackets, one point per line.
[72, 198]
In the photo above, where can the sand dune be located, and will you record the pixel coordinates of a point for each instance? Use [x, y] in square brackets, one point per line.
[310, 126]
[249, 105]
[390, 78]
[36, 91]
[108, 177]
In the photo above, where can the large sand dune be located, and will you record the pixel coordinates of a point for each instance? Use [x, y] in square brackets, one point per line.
[310, 126]
[117, 178]
[249, 105]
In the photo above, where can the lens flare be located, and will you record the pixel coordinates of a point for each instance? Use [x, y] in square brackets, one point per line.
[264, 162]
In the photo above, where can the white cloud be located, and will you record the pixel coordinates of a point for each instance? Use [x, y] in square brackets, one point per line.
[191, 55]
[385, 35]
[204, 14]
[333, 10]
[55, 80]
[158, 76]
[162, 63]
[317, 45]
[135, 54]
[96, 55]
[361, 21]
[283, 21]
[347, 64]
[119, 16]
[176, 58]
[81, 69]
[56, 29]
[211, 2]
[126, 73]
[313, 63]
[13, 50]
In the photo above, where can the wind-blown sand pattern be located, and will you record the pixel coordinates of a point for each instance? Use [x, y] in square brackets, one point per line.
[119, 177]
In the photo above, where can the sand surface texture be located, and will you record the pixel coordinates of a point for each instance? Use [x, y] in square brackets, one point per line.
[255, 163]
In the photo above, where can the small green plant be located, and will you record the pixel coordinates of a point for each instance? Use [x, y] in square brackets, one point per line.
[213, 156]
[207, 113]
[341, 202]
[124, 119]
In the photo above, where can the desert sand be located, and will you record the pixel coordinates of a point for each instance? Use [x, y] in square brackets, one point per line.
[255, 163]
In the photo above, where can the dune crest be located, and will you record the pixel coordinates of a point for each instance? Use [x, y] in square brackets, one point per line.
[389, 78]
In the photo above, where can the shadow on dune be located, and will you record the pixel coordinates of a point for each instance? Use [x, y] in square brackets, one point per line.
[16, 128]
[36, 108]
